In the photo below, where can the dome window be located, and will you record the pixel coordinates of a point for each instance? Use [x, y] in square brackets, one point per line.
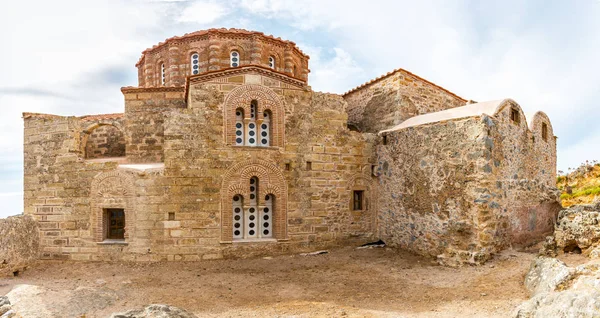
[271, 62]
[194, 62]
[234, 59]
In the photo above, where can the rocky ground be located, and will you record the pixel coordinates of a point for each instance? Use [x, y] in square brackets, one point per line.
[559, 289]
[558, 278]
[378, 282]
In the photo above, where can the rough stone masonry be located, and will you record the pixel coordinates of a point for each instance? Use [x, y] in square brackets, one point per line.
[223, 150]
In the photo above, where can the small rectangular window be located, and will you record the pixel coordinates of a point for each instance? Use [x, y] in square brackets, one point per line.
[115, 224]
[287, 167]
[385, 139]
[514, 115]
[544, 131]
[308, 165]
[357, 200]
[171, 216]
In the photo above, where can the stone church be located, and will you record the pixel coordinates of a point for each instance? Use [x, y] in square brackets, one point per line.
[224, 150]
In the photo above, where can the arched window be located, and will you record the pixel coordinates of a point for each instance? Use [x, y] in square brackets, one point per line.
[271, 62]
[195, 63]
[265, 129]
[266, 217]
[295, 75]
[254, 132]
[239, 127]
[234, 59]
[252, 219]
[163, 75]
[251, 136]
[544, 131]
[238, 217]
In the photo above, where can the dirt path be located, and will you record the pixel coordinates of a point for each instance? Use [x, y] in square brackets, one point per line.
[345, 282]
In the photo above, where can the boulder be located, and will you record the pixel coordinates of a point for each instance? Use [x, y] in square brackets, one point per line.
[4, 309]
[570, 303]
[27, 301]
[577, 229]
[549, 247]
[35, 301]
[155, 311]
[546, 274]
[4, 300]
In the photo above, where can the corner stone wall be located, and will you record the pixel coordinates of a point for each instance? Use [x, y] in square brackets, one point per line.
[145, 113]
[430, 177]
[19, 244]
[386, 102]
[464, 189]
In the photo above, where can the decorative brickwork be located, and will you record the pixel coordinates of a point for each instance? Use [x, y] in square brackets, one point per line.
[213, 48]
[272, 181]
[241, 97]
[112, 190]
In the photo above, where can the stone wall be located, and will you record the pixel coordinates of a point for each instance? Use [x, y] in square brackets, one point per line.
[395, 97]
[145, 111]
[465, 188]
[19, 244]
[197, 157]
[175, 210]
[105, 142]
[523, 166]
[430, 178]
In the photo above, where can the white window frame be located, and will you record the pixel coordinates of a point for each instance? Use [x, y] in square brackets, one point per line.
[272, 62]
[192, 59]
[231, 56]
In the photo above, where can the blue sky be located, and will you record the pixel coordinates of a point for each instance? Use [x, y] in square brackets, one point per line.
[71, 57]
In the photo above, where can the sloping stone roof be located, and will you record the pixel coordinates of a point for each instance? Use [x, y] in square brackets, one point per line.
[490, 108]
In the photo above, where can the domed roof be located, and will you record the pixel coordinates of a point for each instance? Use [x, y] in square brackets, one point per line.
[221, 31]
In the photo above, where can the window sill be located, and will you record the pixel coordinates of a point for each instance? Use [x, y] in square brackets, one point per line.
[113, 242]
[255, 148]
[250, 241]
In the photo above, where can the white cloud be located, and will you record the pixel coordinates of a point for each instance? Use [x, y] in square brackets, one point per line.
[545, 56]
[202, 13]
[330, 74]
[572, 156]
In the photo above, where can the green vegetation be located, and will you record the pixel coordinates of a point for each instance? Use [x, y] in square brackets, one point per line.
[583, 192]
[580, 185]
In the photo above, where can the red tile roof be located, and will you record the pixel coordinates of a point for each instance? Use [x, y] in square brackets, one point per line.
[221, 31]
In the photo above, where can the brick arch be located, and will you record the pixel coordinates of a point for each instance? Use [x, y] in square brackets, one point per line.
[85, 135]
[254, 171]
[271, 181]
[267, 99]
[113, 189]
